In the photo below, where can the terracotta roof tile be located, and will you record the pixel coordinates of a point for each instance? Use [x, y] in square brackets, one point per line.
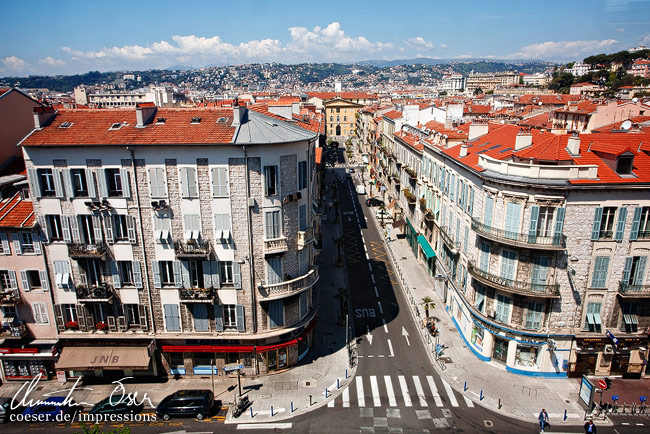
[17, 213]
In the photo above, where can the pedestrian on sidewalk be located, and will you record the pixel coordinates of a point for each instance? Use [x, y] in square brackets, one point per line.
[590, 428]
[543, 419]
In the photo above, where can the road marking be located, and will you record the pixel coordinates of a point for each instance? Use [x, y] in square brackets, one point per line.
[406, 336]
[419, 391]
[369, 266]
[405, 391]
[264, 426]
[390, 349]
[331, 403]
[390, 392]
[361, 400]
[434, 391]
[376, 292]
[381, 355]
[385, 326]
[375, 391]
[372, 277]
[380, 308]
[367, 257]
[450, 393]
[346, 397]
[468, 401]
[371, 356]
[368, 335]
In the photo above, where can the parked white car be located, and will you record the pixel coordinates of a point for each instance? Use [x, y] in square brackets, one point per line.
[361, 189]
[382, 214]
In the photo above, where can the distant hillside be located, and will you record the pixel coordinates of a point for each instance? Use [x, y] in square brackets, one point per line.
[430, 61]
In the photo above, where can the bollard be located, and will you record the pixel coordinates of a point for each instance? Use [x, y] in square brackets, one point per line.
[346, 374]
[326, 393]
[291, 406]
[481, 397]
[465, 387]
[251, 411]
[271, 411]
[338, 384]
[499, 407]
[310, 404]
[564, 414]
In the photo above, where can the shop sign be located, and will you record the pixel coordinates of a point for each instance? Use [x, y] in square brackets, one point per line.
[5, 350]
[18, 350]
[612, 337]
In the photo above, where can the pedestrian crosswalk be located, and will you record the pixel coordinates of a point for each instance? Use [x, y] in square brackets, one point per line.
[408, 391]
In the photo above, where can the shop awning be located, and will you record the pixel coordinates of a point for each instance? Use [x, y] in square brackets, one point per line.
[426, 248]
[399, 223]
[87, 358]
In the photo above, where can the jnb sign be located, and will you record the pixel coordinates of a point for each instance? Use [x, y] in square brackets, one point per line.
[105, 360]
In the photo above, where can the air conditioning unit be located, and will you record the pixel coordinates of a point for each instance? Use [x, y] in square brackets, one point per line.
[609, 349]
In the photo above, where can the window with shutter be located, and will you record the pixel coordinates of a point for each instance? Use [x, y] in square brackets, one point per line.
[137, 274]
[192, 226]
[270, 180]
[503, 309]
[239, 311]
[599, 274]
[485, 257]
[620, 225]
[302, 175]
[222, 231]
[130, 227]
[220, 181]
[479, 300]
[218, 318]
[172, 318]
[272, 225]
[157, 182]
[201, 321]
[276, 314]
[508, 264]
[513, 218]
[4, 244]
[534, 315]
[539, 272]
[489, 210]
[274, 270]
[189, 187]
[592, 317]
[236, 275]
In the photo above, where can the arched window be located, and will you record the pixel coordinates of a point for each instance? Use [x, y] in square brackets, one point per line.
[338, 130]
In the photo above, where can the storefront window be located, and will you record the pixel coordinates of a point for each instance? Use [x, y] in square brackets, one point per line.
[232, 358]
[21, 369]
[526, 356]
[203, 359]
[282, 358]
[477, 336]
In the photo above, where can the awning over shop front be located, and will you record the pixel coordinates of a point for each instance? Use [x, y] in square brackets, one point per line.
[426, 248]
[87, 358]
[399, 223]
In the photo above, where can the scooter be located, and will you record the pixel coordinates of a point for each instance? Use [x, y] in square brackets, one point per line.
[241, 406]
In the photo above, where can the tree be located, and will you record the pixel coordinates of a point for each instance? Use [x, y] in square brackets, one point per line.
[428, 302]
[94, 429]
[478, 91]
[562, 82]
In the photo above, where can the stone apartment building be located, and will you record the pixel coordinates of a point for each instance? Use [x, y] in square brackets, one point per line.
[178, 240]
[538, 243]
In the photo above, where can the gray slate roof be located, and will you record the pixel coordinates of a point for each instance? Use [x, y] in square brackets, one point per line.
[261, 129]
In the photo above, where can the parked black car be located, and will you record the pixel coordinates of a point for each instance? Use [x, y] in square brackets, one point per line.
[373, 201]
[6, 411]
[114, 406]
[186, 403]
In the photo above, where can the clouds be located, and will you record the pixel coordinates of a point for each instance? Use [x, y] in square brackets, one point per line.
[13, 63]
[419, 43]
[330, 43]
[563, 50]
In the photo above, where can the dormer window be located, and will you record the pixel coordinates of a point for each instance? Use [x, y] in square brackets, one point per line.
[624, 164]
[65, 125]
[196, 120]
[115, 126]
[160, 121]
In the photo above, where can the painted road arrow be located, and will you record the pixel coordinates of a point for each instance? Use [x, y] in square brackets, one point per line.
[406, 336]
[368, 335]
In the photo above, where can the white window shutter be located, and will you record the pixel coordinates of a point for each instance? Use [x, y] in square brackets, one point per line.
[36, 240]
[74, 228]
[13, 283]
[207, 275]
[183, 181]
[155, 267]
[67, 183]
[58, 185]
[90, 183]
[108, 223]
[185, 269]
[178, 274]
[239, 310]
[34, 182]
[45, 282]
[137, 274]
[236, 275]
[17, 246]
[130, 227]
[65, 227]
[101, 183]
[216, 279]
[153, 183]
[24, 280]
[126, 183]
[97, 227]
[42, 223]
[117, 283]
[6, 250]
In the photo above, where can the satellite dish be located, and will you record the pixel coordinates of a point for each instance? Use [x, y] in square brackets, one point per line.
[503, 121]
[540, 103]
[635, 100]
[626, 125]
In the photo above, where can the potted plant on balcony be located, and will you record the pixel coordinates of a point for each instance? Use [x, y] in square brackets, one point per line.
[423, 204]
[72, 325]
[203, 292]
[101, 327]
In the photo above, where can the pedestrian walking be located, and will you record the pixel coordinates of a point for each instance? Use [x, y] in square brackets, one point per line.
[543, 419]
[590, 428]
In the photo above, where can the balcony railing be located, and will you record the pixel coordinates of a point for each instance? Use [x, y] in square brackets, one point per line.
[451, 244]
[557, 242]
[10, 298]
[513, 286]
[192, 249]
[643, 235]
[627, 290]
[13, 332]
[305, 237]
[97, 294]
[197, 295]
[88, 251]
[290, 287]
[278, 245]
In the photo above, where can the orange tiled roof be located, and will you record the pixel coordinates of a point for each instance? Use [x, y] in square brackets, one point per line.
[553, 99]
[93, 127]
[410, 139]
[636, 120]
[17, 213]
[583, 107]
[310, 122]
[393, 114]
[542, 120]
[319, 155]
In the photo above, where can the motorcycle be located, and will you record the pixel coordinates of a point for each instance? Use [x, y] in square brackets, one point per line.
[241, 406]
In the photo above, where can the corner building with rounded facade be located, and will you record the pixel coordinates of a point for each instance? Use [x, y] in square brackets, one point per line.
[179, 239]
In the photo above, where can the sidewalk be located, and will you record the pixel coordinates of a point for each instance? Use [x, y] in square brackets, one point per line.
[516, 396]
[327, 362]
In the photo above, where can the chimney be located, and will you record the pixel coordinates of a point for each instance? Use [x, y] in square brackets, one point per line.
[449, 124]
[295, 108]
[463, 150]
[144, 113]
[524, 139]
[478, 128]
[239, 114]
[43, 115]
[573, 144]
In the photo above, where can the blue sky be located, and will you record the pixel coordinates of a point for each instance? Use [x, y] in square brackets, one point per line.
[65, 37]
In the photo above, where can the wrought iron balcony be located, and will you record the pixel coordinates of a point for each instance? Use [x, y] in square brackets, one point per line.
[96, 294]
[197, 295]
[557, 242]
[513, 286]
[278, 245]
[88, 251]
[192, 249]
[13, 332]
[290, 287]
[305, 237]
[448, 240]
[633, 291]
[10, 297]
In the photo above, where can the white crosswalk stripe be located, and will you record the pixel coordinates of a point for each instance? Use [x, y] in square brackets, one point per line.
[346, 397]
[361, 400]
[389, 390]
[375, 391]
[434, 391]
[468, 401]
[405, 391]
[420, 391]
[450, 393]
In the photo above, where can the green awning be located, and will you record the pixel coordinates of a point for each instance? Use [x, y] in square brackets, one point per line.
[408, 223]
[426, 248]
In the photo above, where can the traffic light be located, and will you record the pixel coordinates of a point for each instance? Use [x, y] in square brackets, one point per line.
[609, 383]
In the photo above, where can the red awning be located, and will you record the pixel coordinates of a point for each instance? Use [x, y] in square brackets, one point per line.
[277, 346]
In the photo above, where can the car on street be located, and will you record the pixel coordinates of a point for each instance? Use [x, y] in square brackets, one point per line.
[49, 409]
[113, 405]
[5, 409]
[186, 403]
[373, 201]
[382, 214]
[360, 189]
[351, 170]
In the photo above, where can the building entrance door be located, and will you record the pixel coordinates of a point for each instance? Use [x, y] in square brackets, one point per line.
[500, 350]
[619, 364]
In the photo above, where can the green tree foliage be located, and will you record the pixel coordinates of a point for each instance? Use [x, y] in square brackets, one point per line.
[624, 57]
[94, 429]
[561, 82]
